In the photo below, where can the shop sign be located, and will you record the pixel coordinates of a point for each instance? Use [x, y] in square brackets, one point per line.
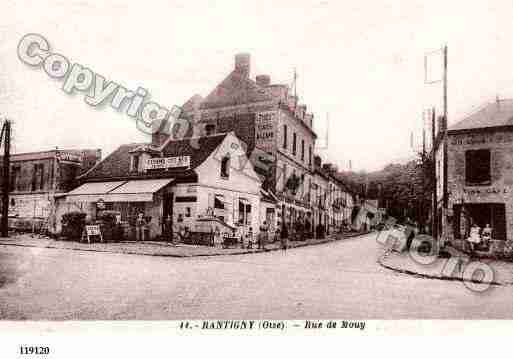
[481, 138]
[491, 190]
[93, 231]
[69, 157]
[167, 162]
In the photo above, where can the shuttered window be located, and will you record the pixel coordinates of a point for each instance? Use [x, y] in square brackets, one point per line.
[477, 167]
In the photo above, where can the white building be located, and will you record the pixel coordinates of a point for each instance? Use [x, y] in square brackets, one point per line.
[182, 180]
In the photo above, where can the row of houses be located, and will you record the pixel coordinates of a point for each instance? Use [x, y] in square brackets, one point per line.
[246, 156]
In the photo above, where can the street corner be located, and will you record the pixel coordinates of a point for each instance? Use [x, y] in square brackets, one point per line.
[478, 276]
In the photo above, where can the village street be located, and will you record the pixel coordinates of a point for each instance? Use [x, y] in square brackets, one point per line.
[335, 280]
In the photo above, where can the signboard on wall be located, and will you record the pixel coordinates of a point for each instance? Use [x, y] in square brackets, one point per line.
[481, 138]
[265, 130]
[167, 162]
[69, 157]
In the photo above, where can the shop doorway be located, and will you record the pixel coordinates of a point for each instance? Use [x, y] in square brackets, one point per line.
[167, 216]
[269, 217]
[482, 214]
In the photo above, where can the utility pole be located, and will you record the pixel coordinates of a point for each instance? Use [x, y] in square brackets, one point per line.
[423, 159]
[445, 192]
[6, 132]
[434, 216]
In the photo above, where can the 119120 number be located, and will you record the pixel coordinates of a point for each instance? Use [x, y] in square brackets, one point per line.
[34, 350]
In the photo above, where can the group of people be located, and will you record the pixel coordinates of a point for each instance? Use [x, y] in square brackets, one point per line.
[478, 236]
[247, 240]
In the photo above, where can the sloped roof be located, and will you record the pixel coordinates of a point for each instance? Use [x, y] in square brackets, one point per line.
[198, 148]
[114, 165]
[236, 89]
[189, 104]
[117, 164]
[494, 114]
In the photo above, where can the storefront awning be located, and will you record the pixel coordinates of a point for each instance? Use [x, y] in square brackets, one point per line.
[119, 191]
[92, 191]
[137, 190]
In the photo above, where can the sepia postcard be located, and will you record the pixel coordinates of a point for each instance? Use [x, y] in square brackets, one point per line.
[253, 168]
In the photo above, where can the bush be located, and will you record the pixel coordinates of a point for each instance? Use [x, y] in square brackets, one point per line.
[73, 225]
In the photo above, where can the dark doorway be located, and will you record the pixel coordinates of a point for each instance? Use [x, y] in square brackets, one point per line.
[167, 218]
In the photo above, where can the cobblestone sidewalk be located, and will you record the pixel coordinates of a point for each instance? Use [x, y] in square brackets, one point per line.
[154, 248]
[443, 268]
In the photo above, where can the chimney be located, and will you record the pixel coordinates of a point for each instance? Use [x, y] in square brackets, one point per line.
[263, 80]
[242, 64]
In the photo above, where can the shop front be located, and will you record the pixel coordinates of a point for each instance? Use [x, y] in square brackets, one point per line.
[489, 221]
[131, 200]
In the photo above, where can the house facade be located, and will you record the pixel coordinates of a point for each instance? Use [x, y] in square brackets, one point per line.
[480, 176]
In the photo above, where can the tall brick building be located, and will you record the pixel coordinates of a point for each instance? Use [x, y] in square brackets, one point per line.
[276, 128]
[480, 175]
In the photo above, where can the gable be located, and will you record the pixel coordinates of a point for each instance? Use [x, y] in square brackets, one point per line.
[242, 176]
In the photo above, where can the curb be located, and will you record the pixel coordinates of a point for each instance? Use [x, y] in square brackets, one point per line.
[429, 276]
[182, 255]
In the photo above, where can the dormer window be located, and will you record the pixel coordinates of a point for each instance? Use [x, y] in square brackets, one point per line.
[225, 166]
[210, 129]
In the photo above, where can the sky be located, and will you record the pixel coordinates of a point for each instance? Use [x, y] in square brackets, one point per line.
[360, 63]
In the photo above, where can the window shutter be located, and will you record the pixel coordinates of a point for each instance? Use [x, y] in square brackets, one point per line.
[499, 221]
[496, 164]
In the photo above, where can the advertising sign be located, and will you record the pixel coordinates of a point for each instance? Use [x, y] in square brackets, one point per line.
[167, 162]
[265, 130]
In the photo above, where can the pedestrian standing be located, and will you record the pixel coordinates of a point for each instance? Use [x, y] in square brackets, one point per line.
[168, 228]
[262, 237]
[139, 224]
[284, 241]
[249, 238]
[474, 238]
[487, 234]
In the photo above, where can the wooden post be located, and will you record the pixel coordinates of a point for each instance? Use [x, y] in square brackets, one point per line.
[6, 131]
[434, 214]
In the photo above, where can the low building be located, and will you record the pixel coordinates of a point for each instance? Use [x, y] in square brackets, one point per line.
[176, 183]
[480, 176]
[38, 179]
[369, 215]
